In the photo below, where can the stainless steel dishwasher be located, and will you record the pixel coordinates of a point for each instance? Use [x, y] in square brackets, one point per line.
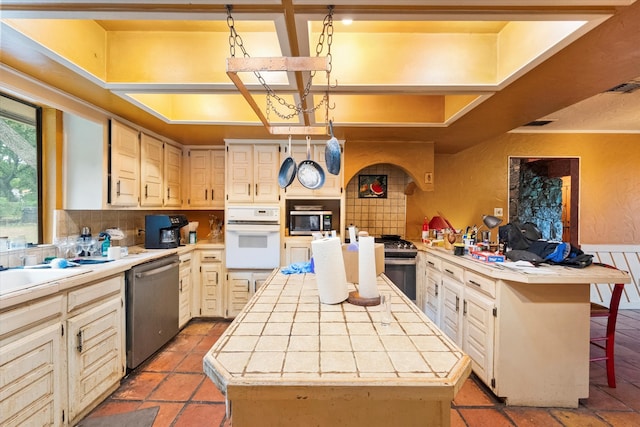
[152, 307]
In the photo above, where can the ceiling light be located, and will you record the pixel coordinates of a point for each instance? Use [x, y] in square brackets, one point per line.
[347, 21]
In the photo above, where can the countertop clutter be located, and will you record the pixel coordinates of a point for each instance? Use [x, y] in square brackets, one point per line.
[87, 273]
[288, 360]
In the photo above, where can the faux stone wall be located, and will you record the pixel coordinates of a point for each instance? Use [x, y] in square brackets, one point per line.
[537, 198]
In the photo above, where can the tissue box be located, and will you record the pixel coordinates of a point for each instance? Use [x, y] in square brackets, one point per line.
[351, 262]
[487, 256]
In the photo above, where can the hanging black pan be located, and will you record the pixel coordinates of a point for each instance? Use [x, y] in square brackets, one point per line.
[332, 153]
[287, 170]
[310, 173]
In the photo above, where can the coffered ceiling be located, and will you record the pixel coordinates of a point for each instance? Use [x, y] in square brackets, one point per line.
[451, 72]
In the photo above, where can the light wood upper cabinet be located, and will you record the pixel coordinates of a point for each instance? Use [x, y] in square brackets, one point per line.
[151, 171]
[252, 173]
[160, 173]
[206, 178]
[172, 176]
[125, 165]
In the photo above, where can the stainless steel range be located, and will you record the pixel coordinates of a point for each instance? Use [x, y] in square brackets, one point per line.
[400, 263]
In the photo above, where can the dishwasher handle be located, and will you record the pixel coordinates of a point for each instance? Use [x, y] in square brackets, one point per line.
[157, 270]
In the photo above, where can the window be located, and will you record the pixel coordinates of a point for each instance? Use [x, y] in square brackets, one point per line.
[20, 170]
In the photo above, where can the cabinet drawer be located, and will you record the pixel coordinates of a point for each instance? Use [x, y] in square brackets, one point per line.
[481, 283]
[35, 312]
[88, 294]
[211, 256]
[452, 270]
[434, 262]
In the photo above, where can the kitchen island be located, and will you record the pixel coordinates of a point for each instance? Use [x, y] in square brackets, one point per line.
[288, 360]
[526, 329]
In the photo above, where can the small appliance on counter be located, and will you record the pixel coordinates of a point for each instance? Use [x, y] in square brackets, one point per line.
[306, 222]
[163, 231]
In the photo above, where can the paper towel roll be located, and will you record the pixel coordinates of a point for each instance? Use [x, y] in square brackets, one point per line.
[367, 286]
[329, 267]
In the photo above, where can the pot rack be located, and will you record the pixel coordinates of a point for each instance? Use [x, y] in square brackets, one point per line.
[286, 64]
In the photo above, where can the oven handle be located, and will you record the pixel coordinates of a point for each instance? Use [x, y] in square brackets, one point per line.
[157, 270]
[400, 261]
[253, 228]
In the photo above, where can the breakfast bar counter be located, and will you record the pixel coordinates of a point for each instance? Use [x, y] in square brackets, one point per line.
[288, 360]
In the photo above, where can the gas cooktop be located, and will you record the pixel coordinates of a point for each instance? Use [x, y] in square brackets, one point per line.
[395, 247]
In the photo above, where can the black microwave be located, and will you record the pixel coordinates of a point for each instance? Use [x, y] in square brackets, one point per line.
[304, 223]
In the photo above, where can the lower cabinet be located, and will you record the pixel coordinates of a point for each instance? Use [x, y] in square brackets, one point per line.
[241, 285]
[463, 304]
[94, 355]
[32, 390]
[297, 250]
[62, 355]
[211, 270]
[184, 299]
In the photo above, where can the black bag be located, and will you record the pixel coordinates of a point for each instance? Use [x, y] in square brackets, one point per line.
[519, 236]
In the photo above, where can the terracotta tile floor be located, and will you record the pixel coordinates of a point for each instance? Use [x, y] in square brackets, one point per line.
[173, 380]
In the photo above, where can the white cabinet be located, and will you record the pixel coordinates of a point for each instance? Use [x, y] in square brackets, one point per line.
[451, 317]
[151, 171]
[172, 176]
[95, 344]
[206, 178]
[211, 270]
[252, 173]
[125, 165]
[32, 390]
[333, 183]
[433, 288]
[241, 285]
[184, 307]
[479, 326]
[297, 250]
[160, 173]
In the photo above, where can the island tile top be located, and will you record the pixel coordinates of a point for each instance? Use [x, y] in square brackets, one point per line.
[286, 335]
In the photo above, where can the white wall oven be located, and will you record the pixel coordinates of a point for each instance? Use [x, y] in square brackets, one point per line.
[252, 237]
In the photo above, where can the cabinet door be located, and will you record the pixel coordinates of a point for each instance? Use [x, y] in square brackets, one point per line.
[217, 177]
[211, 285]
[240, 173]
[451, 320]
[297, 251]
[266, 166]
[95, 353]
[199, 173]
[125, 165]
[31, 373]
[184, 309]
[172, 176]
[151, 171]
[238, 292]
[433, 295]
[479, 327]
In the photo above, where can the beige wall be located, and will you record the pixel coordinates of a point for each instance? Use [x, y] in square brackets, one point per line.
[473, 182]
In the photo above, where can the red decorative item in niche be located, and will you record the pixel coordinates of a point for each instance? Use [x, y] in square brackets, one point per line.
[438, 223]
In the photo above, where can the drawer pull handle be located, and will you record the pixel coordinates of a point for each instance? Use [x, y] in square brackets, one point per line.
[210, 257]
[475, 283]
[431, 263]
[448, 271]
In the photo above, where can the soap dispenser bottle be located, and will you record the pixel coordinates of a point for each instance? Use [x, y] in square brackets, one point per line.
[106, 243]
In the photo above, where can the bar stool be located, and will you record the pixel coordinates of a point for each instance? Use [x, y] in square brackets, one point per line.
[611, 313]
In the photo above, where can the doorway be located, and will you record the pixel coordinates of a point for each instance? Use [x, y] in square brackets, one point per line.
[545, 191]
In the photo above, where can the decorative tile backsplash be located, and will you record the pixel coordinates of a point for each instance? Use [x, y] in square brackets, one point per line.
[379, 215]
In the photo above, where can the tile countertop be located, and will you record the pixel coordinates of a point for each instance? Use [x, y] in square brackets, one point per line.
[92, 272]
[285, 337]
[543, 274]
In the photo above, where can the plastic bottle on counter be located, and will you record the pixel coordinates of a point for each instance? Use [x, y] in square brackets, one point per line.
[425, 230]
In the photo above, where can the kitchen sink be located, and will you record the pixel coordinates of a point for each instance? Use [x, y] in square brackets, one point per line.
[13, 280]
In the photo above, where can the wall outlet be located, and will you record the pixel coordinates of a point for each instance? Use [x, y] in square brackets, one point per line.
[428, 178]
[497, 212]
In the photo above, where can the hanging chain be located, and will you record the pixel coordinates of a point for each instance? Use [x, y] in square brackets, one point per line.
[326, 36]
